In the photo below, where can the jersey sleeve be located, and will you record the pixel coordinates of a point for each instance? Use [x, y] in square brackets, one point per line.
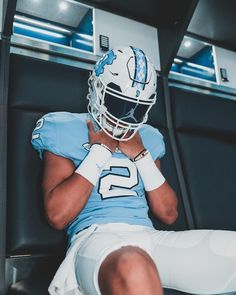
[44, 136]
[154, 141]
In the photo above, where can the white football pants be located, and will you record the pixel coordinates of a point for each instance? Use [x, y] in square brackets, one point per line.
[193, 261]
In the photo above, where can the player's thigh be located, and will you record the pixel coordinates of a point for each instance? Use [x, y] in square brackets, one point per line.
[89, 257]
[196, 261]
[104, 241]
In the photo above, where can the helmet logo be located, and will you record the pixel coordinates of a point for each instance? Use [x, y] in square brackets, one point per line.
[137, 93]
[130, 114]
[107, 59]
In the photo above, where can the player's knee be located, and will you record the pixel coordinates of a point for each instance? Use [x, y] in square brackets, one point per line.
[132, 260]
[128, 265]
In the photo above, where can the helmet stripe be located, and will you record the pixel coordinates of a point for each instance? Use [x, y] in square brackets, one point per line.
[140, 74]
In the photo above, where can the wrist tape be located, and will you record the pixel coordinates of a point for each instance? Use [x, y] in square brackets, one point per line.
[92, 165]
[150, 174]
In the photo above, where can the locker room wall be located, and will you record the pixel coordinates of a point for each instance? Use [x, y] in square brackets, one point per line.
[205, 130]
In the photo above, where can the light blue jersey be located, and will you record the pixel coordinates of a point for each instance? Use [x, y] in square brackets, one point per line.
[119, 194]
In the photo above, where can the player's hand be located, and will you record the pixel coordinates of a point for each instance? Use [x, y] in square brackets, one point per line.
[132, 147]
[100, 137]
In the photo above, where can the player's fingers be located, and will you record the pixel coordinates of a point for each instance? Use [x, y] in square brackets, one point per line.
[128, 134]
[90, 126]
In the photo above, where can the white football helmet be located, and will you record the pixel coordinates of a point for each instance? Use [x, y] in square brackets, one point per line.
[122, 90]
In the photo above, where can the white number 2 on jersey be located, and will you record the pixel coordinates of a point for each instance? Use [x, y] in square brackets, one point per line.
[39, 125]
[116, 185]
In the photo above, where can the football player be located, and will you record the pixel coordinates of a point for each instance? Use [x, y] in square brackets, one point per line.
[102, 175]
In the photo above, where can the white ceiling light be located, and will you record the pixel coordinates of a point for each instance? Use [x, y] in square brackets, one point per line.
[187, 43]
[84, 42]
[85, 36]
[63, 6]
[41, 24]
[201, 67]
[178, 61]
[41, 31]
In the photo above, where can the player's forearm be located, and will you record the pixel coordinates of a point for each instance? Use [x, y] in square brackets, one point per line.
[168, 215]
[163, 203]
[66, 200]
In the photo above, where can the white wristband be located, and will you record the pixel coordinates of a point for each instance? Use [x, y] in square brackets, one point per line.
[92, 165]
[150, 174]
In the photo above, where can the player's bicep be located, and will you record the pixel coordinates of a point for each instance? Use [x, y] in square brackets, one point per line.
[56, 170]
